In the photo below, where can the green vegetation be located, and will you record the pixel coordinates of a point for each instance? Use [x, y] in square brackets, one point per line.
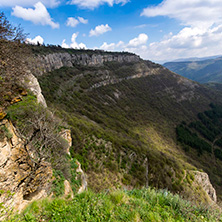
[204, 134]
[58, 49]
[186, 137]
[58, 187]
[134, 205]
[124, 129]
[4, 132]
[31, 120]
[206, 71]
[41, 131]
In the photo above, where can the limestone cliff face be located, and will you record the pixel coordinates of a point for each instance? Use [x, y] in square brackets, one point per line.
[203, 180]
[50, 62]
[31, 83]
[21, 180]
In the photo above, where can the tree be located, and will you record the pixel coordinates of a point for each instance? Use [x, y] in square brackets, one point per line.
[13, 54]
[40, 132]
[8, 32]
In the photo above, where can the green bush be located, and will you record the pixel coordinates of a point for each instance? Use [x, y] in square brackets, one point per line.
[4, 132]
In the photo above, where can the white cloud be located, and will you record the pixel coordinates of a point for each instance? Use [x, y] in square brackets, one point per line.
[28, 3]
[189, 42]
[82, 20]
[99, 30]
[74, 44]
[64, 45]
[140, 40]
[91, 4]
[140, 26]
[201, 13]
[112, 46]
[38, 15]
[201, 33]
[134, 45]
[36, 40]
[73, 22]
[108, 47]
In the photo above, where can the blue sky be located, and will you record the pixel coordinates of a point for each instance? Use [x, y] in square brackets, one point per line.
[158, 30]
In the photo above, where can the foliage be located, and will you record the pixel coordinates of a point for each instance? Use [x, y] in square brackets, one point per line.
[134, 205]
[5, 211]
[185, 136]
[207, 128]
[40, 130]
[4, 132]
[8, 32]
[13, 54]
[58, 187]
[136, 116]
[57, 49]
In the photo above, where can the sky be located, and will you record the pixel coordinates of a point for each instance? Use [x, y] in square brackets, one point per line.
[157, 30]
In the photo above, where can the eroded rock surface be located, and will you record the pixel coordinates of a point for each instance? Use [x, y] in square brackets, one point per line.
[31, 83]
[21, 180]
[203, 180]
[50, 62]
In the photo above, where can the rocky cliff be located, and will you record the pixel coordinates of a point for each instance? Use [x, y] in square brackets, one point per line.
[202, 179]
[21, 180]
[49, 62]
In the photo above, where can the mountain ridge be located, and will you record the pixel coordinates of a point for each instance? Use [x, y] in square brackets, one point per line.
[124, 129]
[204, 71]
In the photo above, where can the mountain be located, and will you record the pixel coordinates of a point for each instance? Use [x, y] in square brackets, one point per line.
[205, 71]
[123, 112]
[132, 123]
[191, 59]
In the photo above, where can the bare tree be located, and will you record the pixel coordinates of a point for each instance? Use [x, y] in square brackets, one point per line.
[8, 32]
[41, 134]
[13, 54]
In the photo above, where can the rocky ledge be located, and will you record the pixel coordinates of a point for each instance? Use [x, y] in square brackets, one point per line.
[50, 62]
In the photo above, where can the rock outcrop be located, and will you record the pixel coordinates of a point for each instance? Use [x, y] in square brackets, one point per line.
[83, 186]
[31, 83]
[50, 62]
[203, 180]
[21, 180]
[66, 134]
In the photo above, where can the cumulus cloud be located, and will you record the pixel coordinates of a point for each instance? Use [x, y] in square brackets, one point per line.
[37, 40]
[91, 4]
[201, 13]
[134, 45]
[28, 3]
[38, 15]
[99, 30]
[73, 22]
[108, 47]
[74, 44]
[64, 45]
[140, 40]
[82, 20]
[201, 33]
[188, 42]
[112, 46]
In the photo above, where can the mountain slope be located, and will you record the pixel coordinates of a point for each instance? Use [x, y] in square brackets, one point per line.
[201, 71]
[123, 116]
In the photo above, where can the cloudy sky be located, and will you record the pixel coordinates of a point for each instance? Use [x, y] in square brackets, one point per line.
[158, 30]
